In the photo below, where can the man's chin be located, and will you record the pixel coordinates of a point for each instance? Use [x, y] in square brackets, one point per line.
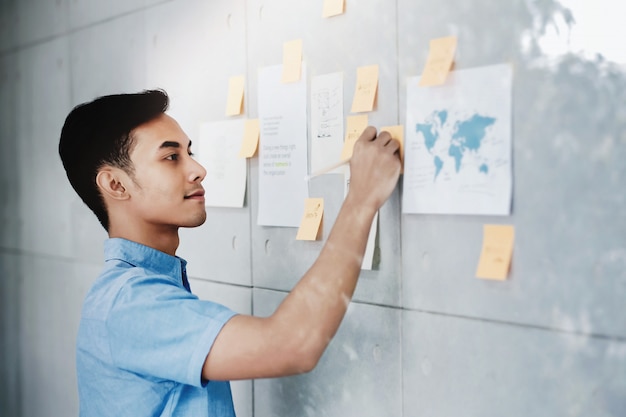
[198, 221]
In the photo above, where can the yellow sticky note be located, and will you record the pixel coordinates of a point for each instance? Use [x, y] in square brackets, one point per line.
[234, 104]
[439, 61]
[333, 8]
[292, 61]
[366, 89]
[355, 125]
[250, 140]
[397, 132]
[495, 257]
[311, 219]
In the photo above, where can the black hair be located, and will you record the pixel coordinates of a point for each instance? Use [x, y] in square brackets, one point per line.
[98, 133]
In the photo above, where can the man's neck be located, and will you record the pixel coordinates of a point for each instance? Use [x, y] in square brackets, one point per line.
[164, 239]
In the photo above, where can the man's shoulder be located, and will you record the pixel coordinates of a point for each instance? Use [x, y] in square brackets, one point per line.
[120, 282]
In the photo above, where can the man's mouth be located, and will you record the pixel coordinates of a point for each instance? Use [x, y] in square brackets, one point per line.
[196, 195]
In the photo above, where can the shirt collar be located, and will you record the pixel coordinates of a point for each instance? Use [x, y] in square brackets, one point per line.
[144, 256]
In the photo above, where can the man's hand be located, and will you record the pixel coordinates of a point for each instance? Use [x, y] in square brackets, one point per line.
[375, 167]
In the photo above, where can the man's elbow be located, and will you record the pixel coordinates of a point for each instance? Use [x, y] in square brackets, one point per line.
[300, 363]
[310, 361]
[307, 355]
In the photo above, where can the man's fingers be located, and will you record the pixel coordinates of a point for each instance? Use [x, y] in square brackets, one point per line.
[393, 144]
[388, 141]
[383, 138]
[369, 133]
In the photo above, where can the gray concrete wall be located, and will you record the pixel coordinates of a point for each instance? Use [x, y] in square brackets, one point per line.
[422, 337]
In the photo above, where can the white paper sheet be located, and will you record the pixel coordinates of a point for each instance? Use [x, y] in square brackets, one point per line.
[457, 157]
[282, 148]
[368, 256]
[326, 121]
[218, 152]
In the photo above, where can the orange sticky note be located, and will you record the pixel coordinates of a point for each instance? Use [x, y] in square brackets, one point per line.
[397, 132]
[250, 140]
[234, 104]
[311, 219]
[355, 125]
[366, 89]
[333, 8]
[292, 61]
[439, 61]
[495, 257]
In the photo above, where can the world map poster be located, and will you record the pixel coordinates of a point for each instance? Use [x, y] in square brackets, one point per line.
[458, 144]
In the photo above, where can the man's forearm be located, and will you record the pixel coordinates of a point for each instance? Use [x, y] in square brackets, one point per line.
[320, 299]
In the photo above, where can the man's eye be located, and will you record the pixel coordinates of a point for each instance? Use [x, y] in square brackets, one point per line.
[173, 157]
[192, 154]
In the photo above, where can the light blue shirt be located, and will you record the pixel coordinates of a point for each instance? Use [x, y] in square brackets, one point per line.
[143, 339]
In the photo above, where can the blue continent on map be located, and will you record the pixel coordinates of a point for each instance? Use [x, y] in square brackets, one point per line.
[467, 135]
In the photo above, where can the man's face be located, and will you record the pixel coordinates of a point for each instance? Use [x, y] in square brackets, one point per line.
[165, 189]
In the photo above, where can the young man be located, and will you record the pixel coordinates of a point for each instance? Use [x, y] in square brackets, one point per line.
[146, 345]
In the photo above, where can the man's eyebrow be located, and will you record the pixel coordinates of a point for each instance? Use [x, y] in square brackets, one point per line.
[169, 144]
[172, 144]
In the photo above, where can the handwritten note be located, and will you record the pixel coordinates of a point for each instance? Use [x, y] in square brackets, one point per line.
[366, 89]
[355, 126]
[292, 61]
[439, 61]
[311, 219]
[250, 141]
[333, 8]
[326, 120]
[234, 104]
[495, 257]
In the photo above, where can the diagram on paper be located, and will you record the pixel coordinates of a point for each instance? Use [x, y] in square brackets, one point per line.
[458, 144]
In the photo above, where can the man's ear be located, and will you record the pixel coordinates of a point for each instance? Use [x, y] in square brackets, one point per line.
[109, 180]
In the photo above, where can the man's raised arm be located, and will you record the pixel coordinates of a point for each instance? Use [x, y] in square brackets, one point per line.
[293, 339]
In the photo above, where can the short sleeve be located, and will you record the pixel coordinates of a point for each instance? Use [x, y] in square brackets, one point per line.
[158, 329]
